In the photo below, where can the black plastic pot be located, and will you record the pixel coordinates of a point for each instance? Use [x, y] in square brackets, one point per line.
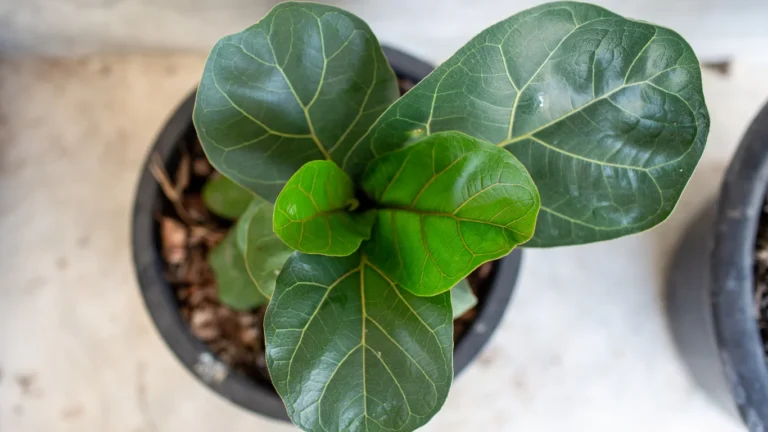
[163, 307]
[711, 287]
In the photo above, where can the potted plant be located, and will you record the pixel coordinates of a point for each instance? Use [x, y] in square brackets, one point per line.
[213, 337]
[718, 284]
[564, 124]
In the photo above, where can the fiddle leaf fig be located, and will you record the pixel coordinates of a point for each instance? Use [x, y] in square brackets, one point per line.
[235, 287]
[462, 298]
[225, 197]
[350, 350]
[391, 203]
[314, 212]
[446, 204]
[305, 83]
[264, 253]
[606, 113]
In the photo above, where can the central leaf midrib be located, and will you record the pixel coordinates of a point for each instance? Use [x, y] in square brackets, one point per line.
[364, 316]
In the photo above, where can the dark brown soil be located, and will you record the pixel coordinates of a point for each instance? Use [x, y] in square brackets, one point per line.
[761, 278]
[187, 233]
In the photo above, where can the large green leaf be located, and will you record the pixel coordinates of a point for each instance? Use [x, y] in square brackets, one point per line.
[462, 298]
[305, 83]
[313, 212]
[348, 350]
[445, 205]
[234, 285]
[606, 113]
[225, 197]
[263, 251]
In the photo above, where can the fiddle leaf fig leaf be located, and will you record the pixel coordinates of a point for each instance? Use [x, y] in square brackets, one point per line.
[313, 213]
[446, 205]
[462, 298]
[350, 350]
[264, 253]
[226, 198]
[606, 113]
[304, 83]
[234, 285]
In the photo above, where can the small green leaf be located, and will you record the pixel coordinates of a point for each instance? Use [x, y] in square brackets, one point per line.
[348, 350]
[462, 298]
[225, 197]
[235, 287]
[446, 205]
[305, 83]
[313, 212]
[263, 251]
[606, 113]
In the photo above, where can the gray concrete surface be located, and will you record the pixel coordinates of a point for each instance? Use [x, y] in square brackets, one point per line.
[584, 346]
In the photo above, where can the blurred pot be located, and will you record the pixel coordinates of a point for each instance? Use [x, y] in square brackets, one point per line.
[711, 287]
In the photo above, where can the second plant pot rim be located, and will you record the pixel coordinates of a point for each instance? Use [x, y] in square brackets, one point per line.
[740, 208]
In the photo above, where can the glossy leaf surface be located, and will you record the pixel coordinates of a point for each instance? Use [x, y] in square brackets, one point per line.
[348, 350]
[305, 83]
[235, 287]
[262, 249]
[462, 298]
[447, 204]
[313, 212]
[226, 198]
[606, 113]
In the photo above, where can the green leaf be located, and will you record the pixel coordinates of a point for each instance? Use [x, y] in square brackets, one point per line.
[305, 83]
[234, 285]
[348, 350]
[313, 212]
[606, 113]
[225, 197]
[446, 205]
[263, 251]
[462, 298]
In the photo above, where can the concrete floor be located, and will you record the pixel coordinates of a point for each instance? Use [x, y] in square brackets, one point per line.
[432, 29]
[584, 346]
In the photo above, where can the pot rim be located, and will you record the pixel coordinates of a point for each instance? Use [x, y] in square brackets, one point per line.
[739, 211]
